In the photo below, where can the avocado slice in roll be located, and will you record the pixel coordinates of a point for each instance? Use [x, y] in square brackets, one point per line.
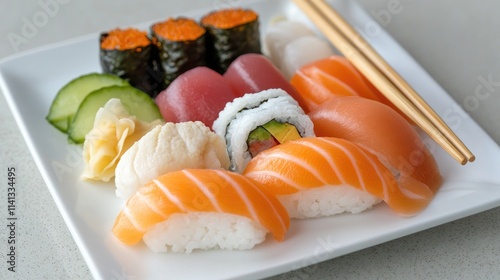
[269, 135]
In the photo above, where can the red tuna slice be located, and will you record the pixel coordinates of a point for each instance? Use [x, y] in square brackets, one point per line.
[251, 73]
[196, 95]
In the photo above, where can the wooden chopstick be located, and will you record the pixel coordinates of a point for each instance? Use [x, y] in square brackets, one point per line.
[374, 67]
[393, 76]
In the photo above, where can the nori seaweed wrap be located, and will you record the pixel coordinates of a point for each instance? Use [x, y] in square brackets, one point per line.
[230, 33]
[131, 55]
[181, 46]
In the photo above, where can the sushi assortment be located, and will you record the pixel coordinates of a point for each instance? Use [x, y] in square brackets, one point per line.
[236, 142]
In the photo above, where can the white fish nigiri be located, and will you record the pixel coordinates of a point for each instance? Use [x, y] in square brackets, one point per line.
[168, 148]
[286, 41]
[279, 34]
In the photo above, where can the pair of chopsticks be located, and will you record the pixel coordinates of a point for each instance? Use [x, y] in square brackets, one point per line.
[384, 78]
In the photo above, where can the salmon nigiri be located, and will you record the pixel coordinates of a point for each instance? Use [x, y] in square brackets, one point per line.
[383, 132]
[334, 76]
[310, 176]
[200, 196]
[330, 77]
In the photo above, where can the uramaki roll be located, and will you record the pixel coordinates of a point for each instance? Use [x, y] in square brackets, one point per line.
[259, 121]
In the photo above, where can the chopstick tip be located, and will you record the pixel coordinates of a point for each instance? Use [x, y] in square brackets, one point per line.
[472, 158]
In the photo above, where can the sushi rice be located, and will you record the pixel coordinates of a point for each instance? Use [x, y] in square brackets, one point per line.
[183, 233]
[326, 201]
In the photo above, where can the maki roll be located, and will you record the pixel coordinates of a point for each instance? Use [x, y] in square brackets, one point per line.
[230, 33]
[131, 55]
[258, 121]
[181, 46]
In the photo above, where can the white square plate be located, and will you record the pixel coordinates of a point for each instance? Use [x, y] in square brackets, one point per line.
[31, 80]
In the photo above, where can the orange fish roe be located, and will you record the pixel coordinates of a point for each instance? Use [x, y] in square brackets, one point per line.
[125, 39]
[180, 29]
[229, 18]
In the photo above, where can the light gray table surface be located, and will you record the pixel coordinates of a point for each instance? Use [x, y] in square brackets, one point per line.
[456, 41]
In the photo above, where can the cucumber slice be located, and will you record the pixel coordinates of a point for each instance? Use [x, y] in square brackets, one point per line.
[136, 102]
[70, 96]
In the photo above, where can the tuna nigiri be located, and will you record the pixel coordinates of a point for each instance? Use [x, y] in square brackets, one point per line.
[251, 73]
[198, 94]
[309, 171]
[383, 132]
[197, 193]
